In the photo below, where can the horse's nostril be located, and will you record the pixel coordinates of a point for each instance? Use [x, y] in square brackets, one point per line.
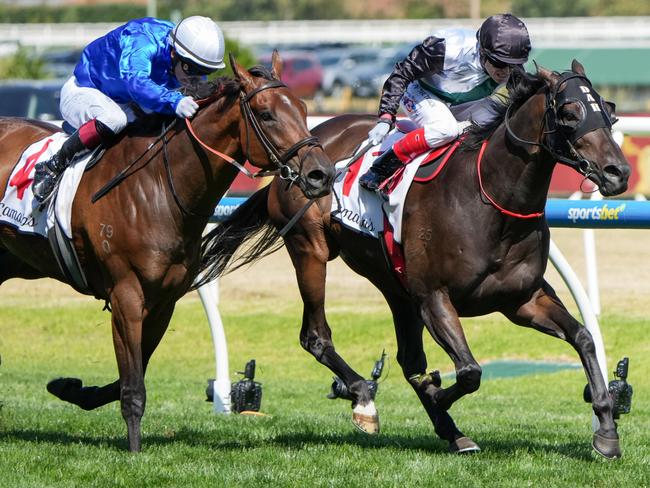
[615, 171]
[316, 176]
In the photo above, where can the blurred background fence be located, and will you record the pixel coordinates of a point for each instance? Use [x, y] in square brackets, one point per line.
[337, 65]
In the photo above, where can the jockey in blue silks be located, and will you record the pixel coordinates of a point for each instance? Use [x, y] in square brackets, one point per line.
[141, 63]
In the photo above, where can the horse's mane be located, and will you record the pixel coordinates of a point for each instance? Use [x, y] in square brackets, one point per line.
[521, 86]
[223, 90]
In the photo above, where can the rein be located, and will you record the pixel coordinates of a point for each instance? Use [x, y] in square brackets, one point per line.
[534, 215]
[280, 160]
[284, 171]
[299, 214]
[549, 126]
[229, 159]
[122, 175]
[574, 160]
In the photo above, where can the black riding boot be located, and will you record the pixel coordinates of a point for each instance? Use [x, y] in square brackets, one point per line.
[382, 168]
[47, 172]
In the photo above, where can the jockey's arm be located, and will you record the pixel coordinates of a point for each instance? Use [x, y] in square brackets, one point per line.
[486, 110]
[425, 58]
[135, 68]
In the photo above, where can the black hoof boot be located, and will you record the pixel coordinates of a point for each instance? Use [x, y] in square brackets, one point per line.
[382, 168]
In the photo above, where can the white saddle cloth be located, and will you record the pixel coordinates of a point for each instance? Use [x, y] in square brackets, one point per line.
[363, 210]
[20, 209]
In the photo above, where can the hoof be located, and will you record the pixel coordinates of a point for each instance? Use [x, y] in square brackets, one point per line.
[368, 424]
[464, 445]
[608, 448]
[62, 387]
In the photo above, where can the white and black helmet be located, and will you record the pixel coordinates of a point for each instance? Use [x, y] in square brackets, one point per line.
[199, 41]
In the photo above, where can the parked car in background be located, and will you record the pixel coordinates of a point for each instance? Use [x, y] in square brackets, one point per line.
[338, 73]
[34, 99]
[301, 71]
[368, 79]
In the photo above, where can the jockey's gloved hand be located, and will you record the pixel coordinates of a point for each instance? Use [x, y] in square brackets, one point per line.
[381, 130]
[186, 108]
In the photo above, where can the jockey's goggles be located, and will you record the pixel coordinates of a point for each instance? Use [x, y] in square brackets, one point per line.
[496, 63]
[190, 68]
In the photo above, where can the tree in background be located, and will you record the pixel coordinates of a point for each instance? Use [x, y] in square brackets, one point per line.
[22, 64]
[551, 8]
[236, 10]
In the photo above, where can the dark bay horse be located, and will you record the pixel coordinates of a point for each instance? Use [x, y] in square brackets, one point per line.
[139, 245]
[474, 242]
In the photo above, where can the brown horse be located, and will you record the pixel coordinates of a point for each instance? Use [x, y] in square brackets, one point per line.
[139, 244]
[474, 242]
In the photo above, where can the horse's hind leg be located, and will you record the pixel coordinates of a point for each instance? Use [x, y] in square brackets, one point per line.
[546, 313]
[12, 267]
[87, 397]
[309, 253]
[441, 320]
[92, 397]
[411, 357]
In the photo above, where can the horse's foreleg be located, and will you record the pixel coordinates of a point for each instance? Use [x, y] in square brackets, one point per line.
[309, 256]
[153, 329]
[546, 313]
[128, 315]
[441, 320]
[411, 357]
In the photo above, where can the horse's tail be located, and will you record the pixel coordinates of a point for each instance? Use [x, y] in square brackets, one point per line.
[249, 224]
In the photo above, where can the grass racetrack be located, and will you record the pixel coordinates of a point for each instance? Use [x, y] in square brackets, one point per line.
[534, 430]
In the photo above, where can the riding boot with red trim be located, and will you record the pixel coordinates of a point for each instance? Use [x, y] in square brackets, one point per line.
[86, 138]
[403, 151]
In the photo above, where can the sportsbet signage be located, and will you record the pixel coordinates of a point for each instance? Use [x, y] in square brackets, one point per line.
[595, 213]
[629, 214]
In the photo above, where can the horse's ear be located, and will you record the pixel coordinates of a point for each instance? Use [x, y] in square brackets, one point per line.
[550, 77]
[244, 77]
[276, 62]
[576, 67]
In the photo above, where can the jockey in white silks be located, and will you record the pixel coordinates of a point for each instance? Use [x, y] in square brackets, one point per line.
[141, 63]
[451, 79]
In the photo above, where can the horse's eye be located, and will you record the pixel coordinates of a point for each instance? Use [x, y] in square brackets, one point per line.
[571, 117]
[266, 116]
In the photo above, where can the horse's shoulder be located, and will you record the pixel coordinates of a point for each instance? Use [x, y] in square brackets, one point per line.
[340, 135]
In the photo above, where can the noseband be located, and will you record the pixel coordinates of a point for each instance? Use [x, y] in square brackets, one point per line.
[280, 160]
[557, 135]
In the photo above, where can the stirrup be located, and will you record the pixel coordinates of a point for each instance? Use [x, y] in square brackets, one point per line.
[370, 180]
[45, 181]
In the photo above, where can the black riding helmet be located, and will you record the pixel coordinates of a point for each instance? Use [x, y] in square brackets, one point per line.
[505, 39]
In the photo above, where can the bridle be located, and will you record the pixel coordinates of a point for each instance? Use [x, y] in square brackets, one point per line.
[283, 171]
[556, 135]
[280, 160]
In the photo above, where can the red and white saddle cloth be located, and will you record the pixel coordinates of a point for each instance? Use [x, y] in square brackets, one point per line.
[20, 209]
[365, 211]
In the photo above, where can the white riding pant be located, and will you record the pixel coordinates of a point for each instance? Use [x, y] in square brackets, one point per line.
[80, 104]
[431, 113]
